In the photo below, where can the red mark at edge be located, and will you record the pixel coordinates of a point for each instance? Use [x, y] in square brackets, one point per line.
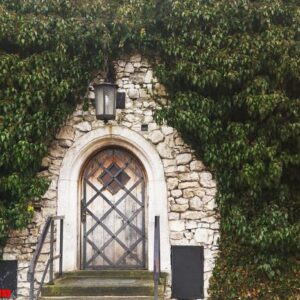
[5, 293]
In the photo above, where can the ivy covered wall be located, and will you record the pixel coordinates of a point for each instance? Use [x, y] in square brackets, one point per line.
[232, 70]
[48, 50]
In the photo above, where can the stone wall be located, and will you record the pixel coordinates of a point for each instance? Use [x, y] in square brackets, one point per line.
[191, 188]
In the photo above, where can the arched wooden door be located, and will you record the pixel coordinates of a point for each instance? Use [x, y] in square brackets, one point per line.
[113, 211]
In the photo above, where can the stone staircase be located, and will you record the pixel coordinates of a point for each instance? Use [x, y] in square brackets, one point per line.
[103, 285]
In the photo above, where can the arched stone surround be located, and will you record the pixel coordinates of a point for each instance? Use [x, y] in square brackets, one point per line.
[68, 187]
[188, 184]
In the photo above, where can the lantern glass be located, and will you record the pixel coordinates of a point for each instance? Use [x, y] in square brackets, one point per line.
[105, 98]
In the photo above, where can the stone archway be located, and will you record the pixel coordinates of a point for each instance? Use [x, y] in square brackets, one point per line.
[68, 189]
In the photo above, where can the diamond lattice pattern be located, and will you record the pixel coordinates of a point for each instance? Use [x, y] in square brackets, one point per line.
[114, 178]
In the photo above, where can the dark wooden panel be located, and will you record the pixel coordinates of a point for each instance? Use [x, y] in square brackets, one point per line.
[8, 278]
[187, 272]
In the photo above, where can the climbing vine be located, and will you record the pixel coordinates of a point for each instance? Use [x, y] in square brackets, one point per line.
[48, 50]
[232, 71]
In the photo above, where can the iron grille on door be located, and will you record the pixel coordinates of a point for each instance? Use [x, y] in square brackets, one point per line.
[113, 211]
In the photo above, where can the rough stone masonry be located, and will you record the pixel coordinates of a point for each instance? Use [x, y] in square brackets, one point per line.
[191, 188]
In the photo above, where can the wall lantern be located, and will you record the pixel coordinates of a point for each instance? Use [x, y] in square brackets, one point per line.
[107, 99]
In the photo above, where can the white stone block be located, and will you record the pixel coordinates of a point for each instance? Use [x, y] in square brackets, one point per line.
[182, 201]
[210, 205]
[190, 176]
[211, 192]
[179, 141]
[133, 93]
[209, 264]
[184, 158]
[65, 143]
[215, 226]
[181, 242]
[192, 215]
[148, 119]
[132, 118]
[165, 151]
[208, 219]
[121, 63]
[196, 203]
[216, 237]
[188, 184]
[197, 165]
[128, 86]
[169, 162]
[145, 95]
[172, 183]
[183, 169]
[173, 216]
[204, 236]
[178, 225]
[136, 58]
[167, 130]
[206, 180]
[176, 193]
[179, 207]
[156, 136]
[148, 77]
[200, 192]
[66, 133]
[191, 224]
[83, 126]
[152, 126]
[171, 169]
[50, 194]
[46, 162]
[176, 235]
[129, 68]
[57, 152]
[188, 193]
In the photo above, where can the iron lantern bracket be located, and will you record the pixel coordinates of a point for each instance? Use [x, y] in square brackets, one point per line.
[120, 100]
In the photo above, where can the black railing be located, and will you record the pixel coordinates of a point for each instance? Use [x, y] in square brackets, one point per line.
[49, 265]
[156, 266]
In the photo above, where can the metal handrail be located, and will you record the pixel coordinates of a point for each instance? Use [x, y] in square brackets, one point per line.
[156, 266]
[49, 265]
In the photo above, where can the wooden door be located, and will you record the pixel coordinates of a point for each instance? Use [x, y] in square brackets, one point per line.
[113, 211]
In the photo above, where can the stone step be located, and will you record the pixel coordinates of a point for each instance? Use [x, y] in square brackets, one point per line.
[138, 274]
[99, 298]
[95, 286]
